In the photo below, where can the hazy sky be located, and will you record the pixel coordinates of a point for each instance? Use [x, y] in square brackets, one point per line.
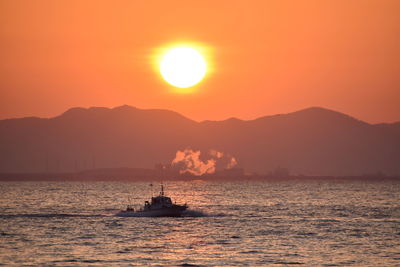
[268, 56]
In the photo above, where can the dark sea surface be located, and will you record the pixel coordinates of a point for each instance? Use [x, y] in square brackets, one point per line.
[229, 224]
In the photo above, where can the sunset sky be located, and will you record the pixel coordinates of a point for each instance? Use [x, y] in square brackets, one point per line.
[264, 57]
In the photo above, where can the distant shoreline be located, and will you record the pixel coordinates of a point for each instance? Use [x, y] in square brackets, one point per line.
[82, 177]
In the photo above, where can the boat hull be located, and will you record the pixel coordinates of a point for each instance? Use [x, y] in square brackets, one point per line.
[162, 212]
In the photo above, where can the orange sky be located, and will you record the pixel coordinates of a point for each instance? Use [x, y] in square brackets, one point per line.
[269, 56]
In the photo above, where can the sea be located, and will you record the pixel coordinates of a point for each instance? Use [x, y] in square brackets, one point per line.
[247, 223]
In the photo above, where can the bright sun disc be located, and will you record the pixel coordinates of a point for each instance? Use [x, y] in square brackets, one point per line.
[183, 67]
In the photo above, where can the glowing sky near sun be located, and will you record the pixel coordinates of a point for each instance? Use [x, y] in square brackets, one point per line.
[267, 56]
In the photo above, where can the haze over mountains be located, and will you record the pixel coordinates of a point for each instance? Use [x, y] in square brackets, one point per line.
[313, 141]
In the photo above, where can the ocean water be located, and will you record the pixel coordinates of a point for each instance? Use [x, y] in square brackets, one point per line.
[229, 224]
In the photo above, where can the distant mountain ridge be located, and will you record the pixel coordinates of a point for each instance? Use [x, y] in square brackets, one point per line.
[313, 141]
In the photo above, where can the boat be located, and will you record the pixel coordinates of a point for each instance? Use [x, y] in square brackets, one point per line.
[160, 206]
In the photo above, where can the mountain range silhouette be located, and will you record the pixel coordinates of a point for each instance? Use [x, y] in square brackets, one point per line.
[313, 141]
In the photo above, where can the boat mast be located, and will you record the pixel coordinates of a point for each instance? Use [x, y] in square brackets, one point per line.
[162, 178]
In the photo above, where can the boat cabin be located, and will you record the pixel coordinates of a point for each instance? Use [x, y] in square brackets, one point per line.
[159, 201]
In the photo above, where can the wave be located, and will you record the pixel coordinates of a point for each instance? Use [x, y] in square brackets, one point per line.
[198, 213]
[48, 215]
[188, 213]
[194, 213]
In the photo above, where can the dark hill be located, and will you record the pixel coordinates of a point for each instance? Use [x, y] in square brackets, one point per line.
[314, 141]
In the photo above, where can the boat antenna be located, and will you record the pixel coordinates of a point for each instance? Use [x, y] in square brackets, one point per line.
[162, 178]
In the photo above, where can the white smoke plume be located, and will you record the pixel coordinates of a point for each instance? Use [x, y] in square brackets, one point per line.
[216, 154]
[232, 163]
[189, 161]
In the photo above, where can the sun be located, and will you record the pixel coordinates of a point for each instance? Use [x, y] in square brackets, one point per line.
[183, 66]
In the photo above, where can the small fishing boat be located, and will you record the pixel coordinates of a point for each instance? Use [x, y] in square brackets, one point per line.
[160, 206]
